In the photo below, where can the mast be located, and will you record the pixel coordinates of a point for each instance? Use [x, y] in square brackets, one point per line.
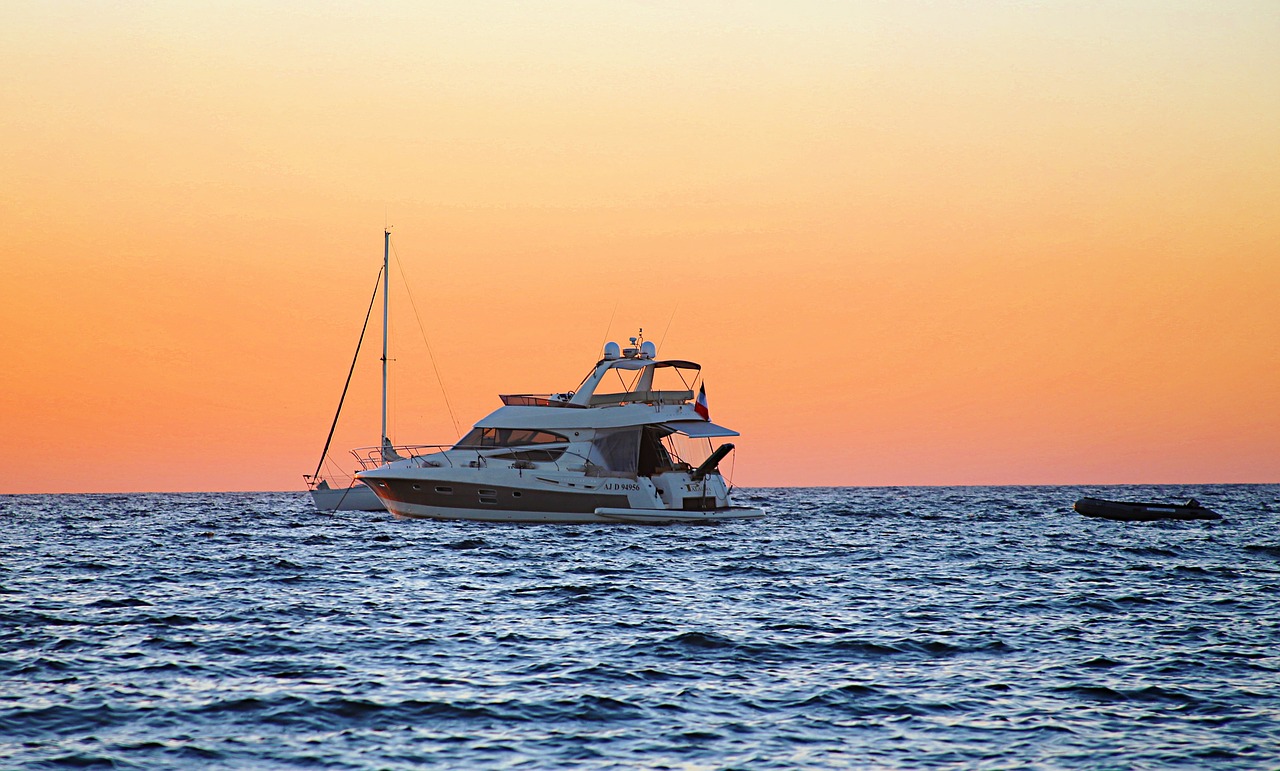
[386, 289]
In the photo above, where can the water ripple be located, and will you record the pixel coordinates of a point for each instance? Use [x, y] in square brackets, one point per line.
[867, 627]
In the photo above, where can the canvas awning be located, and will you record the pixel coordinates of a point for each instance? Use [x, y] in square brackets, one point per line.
[700, 429]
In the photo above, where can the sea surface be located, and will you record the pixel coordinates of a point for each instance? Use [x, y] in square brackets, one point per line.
[975, 627]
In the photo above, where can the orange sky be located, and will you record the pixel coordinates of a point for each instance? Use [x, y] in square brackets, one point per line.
[911, 243]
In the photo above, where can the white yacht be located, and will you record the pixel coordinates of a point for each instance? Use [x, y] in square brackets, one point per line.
[588, 455]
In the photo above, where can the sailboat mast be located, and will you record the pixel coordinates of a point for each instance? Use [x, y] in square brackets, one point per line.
[386, 289]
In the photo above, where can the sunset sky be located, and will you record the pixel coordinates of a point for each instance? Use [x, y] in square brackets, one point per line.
[910, 242]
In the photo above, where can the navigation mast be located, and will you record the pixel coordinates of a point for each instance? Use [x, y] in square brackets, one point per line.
[386, 293]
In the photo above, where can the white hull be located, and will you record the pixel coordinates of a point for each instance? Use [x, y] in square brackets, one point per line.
[410, 511]
[599, 516]
[549, 496]
[354, 498]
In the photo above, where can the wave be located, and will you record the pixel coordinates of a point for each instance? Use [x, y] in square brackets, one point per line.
[899, 627]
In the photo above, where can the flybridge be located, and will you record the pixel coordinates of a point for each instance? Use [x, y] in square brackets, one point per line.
[639, 363]
[637, 359]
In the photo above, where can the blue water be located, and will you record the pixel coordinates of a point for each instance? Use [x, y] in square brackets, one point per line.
[854, 627]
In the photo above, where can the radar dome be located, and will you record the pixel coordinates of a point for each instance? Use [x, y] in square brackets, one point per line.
[612, 351]
[648, 350]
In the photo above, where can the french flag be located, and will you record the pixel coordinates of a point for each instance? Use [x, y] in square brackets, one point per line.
[700, 406]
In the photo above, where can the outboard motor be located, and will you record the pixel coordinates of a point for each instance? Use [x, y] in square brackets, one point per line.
[712, 462]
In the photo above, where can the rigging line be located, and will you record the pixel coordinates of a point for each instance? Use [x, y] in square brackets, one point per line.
[733, 466]
[350, 372]
[434, 366]
[335, 472]
[609, 326]
[663, 339]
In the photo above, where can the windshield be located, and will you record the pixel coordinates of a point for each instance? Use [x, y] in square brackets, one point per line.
[507, 437]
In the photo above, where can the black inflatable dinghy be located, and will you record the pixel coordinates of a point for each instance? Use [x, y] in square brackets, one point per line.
[1125, 511]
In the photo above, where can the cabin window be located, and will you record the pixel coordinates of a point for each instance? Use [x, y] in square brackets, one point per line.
[618, 450]
[506, 437]
[654, 456]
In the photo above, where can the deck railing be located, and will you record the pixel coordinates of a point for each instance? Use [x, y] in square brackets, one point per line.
[459, 456]
[598, 400]
[536, 400]
[642, 397]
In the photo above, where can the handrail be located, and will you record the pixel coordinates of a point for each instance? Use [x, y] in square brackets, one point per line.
[535, 400]
[370, 458]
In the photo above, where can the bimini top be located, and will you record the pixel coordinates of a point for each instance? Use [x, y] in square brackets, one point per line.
[637, 386]
[648, 391]
[640, 361]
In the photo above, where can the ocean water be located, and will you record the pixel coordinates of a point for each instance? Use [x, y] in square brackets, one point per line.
[853, 628]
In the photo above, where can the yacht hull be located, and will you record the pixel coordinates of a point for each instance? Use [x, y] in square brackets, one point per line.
[542, 499]
[410, 511]
[602, 515]
[493, 502]
[354, 498]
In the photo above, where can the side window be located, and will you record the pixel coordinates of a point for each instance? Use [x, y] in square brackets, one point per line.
[507, 437]
[478, 437]
[519, 437]
[619, 450]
